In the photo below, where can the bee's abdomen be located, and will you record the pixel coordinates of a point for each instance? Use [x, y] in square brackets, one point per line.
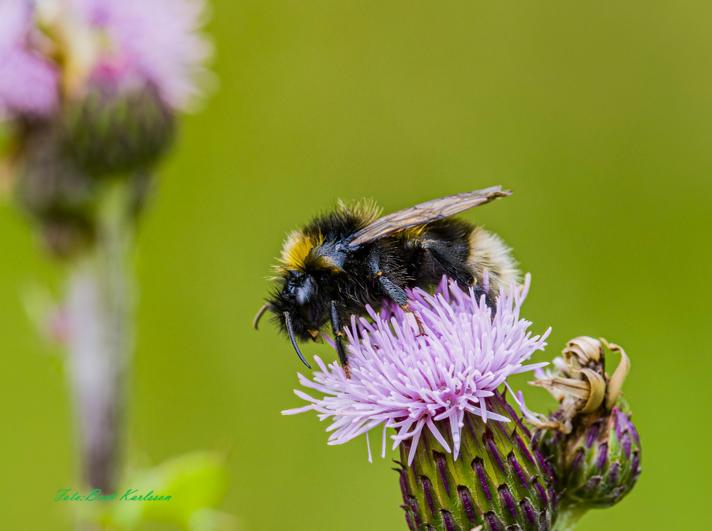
[446, 248]
[489, 255]
[464, 252]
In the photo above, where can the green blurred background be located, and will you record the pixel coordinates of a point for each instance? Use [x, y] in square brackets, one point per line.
[597, 114]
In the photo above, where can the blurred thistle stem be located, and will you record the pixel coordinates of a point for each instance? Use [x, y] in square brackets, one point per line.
[100, 311]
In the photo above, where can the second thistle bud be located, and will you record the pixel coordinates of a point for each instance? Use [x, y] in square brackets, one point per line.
[604, 461]
[590, 440]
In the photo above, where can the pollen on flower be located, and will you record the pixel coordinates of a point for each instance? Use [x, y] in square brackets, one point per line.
[410, 382]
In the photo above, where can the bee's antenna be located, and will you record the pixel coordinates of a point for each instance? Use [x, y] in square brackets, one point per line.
[258, 316]
[290, 332]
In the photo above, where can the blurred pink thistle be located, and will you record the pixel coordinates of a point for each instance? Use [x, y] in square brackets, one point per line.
[156, 42]
[123, 46]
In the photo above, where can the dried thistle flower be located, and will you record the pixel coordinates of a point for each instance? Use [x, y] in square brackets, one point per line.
[590, 440]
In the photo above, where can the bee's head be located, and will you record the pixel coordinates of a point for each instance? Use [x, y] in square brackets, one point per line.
[300, 302]
[297, 308]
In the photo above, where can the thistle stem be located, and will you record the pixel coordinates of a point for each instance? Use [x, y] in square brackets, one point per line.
[568, 516]
[99, 307]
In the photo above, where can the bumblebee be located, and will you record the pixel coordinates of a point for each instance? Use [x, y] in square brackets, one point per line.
[351, 257]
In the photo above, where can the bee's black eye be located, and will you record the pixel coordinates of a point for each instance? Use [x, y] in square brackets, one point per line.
[305, 291]
[299, 287]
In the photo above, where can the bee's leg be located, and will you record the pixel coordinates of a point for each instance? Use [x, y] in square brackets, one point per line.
[394, 291]
[421, 327]
[339, 338]
[400, 297]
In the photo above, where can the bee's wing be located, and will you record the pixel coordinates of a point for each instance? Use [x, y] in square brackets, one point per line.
[427, 212]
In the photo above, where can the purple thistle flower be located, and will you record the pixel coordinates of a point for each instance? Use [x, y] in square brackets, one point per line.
[411, 382]
[28, 82]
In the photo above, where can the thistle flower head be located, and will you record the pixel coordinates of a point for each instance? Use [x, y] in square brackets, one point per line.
[413, 382]
[106, 79]
[28, 82]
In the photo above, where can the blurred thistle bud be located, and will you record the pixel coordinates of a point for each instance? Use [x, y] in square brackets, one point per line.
[590, 440]
[111, 131]
[466, 458]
